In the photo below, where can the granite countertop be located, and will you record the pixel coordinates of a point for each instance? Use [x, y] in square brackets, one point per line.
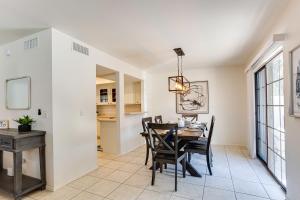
[106, 118]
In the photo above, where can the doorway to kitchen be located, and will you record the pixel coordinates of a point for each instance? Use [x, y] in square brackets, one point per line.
[270, 132]
[107, 109]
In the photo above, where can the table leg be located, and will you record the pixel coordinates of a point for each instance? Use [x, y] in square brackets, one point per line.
[17, 174]
[192, 170]
[43, 166]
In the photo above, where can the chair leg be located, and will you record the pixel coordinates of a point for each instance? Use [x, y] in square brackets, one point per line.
[184, 167]
[189, 157]
[153, 172]
[208, 163]
[166, 166]
[176, 177]
[147, 150]
[160, 167]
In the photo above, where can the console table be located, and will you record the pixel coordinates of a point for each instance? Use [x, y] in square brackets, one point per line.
[12, 141]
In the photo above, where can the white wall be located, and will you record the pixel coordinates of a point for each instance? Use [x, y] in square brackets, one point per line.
[227, 97]
[63, 86]
[35, 63]
[288, 23]
[74, 110]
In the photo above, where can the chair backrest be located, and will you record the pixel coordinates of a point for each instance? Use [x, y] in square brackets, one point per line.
[159, 135]
[211, 129]
[145, 122]
[192, 117]
[158, 119]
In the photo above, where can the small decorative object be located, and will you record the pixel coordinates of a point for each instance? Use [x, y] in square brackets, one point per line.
[25, 123]
[180, 122]
[195, 101]
[295, 82]
[10, 171]
[178, 84]
[4, 124]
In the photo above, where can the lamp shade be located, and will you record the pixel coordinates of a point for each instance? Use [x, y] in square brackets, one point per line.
[178, 84]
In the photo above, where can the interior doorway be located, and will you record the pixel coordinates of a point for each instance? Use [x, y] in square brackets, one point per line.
[270, 132]
[107, 109]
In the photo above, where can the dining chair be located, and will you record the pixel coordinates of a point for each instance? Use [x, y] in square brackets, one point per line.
[203, 146]
[158, 119]
[165, 151]
[145, 134]
[191, 117]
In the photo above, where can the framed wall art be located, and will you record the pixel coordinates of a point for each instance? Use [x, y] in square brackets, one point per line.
[195, 101]
[295, 82]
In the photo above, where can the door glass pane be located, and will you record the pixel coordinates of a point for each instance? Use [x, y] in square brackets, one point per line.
[271, 160]
[278, 167]
[271, 139]
[276, 116]
[277, 141]
[276, 95]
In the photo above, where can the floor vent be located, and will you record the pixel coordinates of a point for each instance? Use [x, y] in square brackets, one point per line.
[81, 49]
[30, 44]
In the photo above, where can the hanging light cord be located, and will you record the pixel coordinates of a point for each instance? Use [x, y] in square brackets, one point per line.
[178, 72]
[181, 66]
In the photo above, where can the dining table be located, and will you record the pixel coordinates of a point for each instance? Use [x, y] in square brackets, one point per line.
[186, 135]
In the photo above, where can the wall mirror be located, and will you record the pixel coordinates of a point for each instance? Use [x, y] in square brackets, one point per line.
[18, 93]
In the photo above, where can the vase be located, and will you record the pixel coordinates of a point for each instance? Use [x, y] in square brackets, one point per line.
[24, 128]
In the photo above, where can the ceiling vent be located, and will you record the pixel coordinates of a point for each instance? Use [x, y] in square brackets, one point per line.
[30, 44]
[81, 49]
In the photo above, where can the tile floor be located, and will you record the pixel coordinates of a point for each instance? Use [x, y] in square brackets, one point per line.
[235, 177]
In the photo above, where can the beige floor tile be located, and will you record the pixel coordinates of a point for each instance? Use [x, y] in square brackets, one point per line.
[145, 171]
[193, 180]
[218, 182]
[138, 180]
[190, 191]
[218, 194]
[87, 196]
[275, 192]
[118, 176]
[130, 167]
[84, 182]
[152, 195]
[102, 162]
[251, 188]
[63, 193]
[125, 158]
[178, 198]
[240, 196]
[102, 172]
[125, 192]
[162, 185]
[103, 187]
[115, 164]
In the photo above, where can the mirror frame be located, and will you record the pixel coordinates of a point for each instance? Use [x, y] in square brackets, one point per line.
[29, 93]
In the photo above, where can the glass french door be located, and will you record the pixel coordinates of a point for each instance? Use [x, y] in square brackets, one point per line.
[270, 132]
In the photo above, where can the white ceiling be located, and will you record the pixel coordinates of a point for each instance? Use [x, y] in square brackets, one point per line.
[144, 32]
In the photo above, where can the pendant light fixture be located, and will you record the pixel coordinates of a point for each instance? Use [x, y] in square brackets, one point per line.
[179, 84]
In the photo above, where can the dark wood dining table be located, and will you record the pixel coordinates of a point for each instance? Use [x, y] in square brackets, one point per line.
[185, 135]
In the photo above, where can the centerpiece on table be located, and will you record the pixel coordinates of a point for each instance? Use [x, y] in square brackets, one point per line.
[25, 123]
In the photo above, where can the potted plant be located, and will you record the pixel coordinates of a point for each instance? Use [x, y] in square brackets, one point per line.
[25, 123]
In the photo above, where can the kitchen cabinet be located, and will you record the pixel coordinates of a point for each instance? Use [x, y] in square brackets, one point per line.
[133, 95]
[106, 94]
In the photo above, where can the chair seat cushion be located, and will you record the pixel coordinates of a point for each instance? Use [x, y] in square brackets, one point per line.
[201, 141]
[165, 156]
[197, 145]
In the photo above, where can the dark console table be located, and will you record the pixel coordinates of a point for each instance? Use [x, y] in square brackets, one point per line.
[12, 141]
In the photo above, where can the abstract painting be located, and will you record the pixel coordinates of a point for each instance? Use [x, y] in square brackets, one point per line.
[295, 82]
[195, 101]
